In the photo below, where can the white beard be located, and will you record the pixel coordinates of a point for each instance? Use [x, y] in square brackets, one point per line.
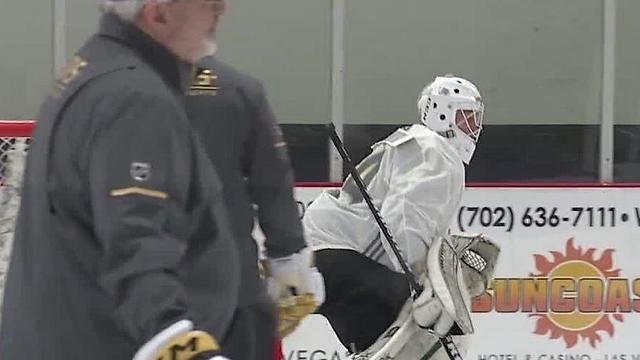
[209, 45]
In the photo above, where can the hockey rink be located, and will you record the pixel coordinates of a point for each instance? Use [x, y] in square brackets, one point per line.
[543, 121]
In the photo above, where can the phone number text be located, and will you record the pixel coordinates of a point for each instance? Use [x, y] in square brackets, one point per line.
[508, 218]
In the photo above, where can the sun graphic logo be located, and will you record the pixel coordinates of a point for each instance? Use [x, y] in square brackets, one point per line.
[576, 295]
[578, 282]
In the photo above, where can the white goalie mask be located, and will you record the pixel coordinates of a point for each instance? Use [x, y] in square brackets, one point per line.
[453, 107]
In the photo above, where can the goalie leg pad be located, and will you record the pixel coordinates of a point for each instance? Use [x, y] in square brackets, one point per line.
[404, 339]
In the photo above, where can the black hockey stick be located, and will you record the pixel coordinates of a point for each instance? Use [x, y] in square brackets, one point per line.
[446, 341]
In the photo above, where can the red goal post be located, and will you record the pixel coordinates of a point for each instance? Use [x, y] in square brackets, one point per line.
[14, 142]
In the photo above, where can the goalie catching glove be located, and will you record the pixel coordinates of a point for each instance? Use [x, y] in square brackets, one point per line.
[180, 342]
[479, 256]
[296, 286]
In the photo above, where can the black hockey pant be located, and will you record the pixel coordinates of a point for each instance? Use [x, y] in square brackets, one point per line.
[363, 297]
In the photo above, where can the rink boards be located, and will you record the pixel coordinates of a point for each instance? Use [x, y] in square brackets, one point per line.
[567, 286]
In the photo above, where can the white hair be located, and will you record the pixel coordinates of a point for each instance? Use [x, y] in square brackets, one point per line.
[127, 10]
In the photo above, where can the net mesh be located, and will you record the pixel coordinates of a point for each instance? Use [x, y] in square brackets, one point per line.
[14, 142]
[474, 260]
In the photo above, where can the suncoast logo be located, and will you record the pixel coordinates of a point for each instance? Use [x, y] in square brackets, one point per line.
[576, 295]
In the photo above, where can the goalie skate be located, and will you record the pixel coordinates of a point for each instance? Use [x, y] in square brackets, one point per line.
[404, 339]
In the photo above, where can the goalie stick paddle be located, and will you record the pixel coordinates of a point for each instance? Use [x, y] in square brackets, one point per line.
[446, 341]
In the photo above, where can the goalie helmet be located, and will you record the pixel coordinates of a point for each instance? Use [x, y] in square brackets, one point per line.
[453, 107]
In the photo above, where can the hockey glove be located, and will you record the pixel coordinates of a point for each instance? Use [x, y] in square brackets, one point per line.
[180, 342]
[479, 256]
[429, 312]
[296, 287]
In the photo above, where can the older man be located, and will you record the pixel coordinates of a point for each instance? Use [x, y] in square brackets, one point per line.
[122, 247]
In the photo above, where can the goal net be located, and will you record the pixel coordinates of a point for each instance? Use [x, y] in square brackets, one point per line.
[14, 141]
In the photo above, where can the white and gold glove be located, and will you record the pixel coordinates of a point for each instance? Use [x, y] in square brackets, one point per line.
[296, 286]
[180, 342]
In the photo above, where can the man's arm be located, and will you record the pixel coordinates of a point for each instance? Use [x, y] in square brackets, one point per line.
[139, 170]
[271, 180]
[293, 283]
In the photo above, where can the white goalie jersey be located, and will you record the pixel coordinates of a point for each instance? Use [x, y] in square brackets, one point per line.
[416, 179]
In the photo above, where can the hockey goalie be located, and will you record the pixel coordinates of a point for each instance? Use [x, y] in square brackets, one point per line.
[415, 177]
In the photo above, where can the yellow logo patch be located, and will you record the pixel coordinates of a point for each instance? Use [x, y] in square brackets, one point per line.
[70, 72]
[204, 82]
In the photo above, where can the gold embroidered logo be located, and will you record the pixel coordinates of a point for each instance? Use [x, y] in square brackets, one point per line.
[204, 83]
[69, 73]
[135, 190]
[187, 346]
